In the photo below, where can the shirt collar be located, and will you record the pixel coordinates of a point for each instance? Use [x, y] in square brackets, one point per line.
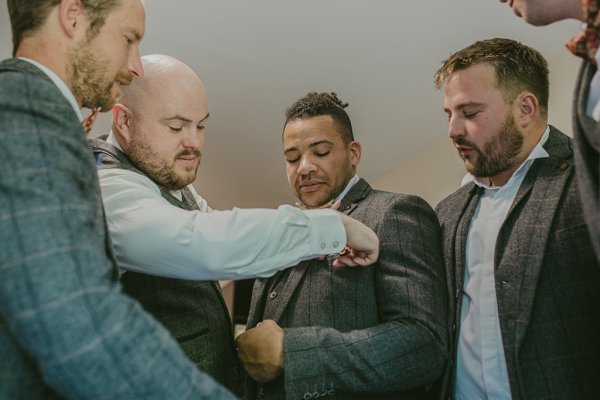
[537, 152]
[62, 86]
[349, 186]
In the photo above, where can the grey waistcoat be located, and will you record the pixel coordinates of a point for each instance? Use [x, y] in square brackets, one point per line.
[194, 311]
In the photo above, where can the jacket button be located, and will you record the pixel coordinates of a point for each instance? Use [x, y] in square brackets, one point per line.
[273, 295]
[236, 370]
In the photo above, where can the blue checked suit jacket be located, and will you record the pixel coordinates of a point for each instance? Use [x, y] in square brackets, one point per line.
[66, 329]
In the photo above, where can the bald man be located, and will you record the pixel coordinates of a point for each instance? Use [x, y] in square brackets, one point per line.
[166, 238]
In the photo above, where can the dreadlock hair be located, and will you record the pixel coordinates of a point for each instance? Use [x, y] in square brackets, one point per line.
[316, 104]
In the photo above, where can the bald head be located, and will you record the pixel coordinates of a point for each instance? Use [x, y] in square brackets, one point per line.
[164, 77]
[159, 121]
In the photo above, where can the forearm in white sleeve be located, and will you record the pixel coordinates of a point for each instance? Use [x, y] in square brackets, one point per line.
[154, 237]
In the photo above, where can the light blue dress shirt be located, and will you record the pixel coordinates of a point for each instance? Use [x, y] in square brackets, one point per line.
[481, 366]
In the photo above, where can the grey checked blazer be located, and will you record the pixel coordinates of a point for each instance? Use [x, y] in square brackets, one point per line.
[375, 332]
[66, 329]
[547, 281]
[587, 154]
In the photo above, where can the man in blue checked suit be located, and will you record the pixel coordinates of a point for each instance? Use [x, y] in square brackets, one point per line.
[66, 329]
[316, 331]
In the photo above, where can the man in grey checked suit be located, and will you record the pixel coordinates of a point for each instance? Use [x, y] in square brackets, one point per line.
[524, 281]
[369, 333]
[66, 329]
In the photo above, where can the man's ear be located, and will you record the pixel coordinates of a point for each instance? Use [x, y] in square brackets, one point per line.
[527, 108]
[122, 125]
[71, 15]
[355, 151]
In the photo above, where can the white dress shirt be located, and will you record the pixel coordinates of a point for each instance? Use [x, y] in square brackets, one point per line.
[481, 366]
[593, 100]
[154, 237]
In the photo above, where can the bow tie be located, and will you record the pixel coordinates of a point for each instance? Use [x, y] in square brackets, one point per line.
[587, 42]
[88, 121]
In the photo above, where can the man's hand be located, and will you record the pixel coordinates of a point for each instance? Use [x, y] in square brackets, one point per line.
[362, 242]
[261, 351]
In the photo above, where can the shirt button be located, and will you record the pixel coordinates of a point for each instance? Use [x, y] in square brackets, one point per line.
[335, 244]
[273, 295]
[323, 245]
[236, 370]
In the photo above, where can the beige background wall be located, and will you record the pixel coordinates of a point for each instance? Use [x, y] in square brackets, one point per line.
[436, 170]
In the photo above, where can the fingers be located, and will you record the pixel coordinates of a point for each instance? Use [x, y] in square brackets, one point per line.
[336, 205]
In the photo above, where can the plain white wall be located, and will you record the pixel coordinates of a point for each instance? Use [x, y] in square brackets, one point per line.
[436, 170]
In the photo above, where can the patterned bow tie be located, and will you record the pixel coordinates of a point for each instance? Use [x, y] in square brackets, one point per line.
[88, 121]
[587, 42]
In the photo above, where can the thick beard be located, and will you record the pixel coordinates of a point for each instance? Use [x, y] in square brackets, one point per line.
[161, 172]
[499, 154]
[87, 76]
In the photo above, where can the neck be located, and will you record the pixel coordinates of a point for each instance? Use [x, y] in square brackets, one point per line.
[46, 52]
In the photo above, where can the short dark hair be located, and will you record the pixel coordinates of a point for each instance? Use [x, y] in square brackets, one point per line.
[316, 104]
[26, 16]
[518, 68]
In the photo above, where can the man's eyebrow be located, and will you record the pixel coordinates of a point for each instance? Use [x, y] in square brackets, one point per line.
[183, 119]
[466, 104]
[136, 35]
[177, 118]
[310, 145]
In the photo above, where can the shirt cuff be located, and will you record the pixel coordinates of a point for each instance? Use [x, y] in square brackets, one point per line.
[327, 233]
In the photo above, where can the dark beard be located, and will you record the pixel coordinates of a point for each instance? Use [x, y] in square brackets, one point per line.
[498, 155]
[163, 174]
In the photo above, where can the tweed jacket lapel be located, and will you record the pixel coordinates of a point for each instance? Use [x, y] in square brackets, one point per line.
[276, 308]
[528, 236]
[468, 199]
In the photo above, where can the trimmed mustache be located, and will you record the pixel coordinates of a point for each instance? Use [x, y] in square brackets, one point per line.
[189, 152]
[124, 77]
[464, 142]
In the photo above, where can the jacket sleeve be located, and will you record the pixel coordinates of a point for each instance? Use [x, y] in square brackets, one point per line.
[60, 306]
[407, 349]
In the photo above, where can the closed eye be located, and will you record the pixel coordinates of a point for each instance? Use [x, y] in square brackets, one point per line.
[175, 128]
[322, 154]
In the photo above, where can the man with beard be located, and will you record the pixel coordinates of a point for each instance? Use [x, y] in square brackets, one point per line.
[586, 110]
[524, 281]
[166, 237]
[368, 333]
[66, 329]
